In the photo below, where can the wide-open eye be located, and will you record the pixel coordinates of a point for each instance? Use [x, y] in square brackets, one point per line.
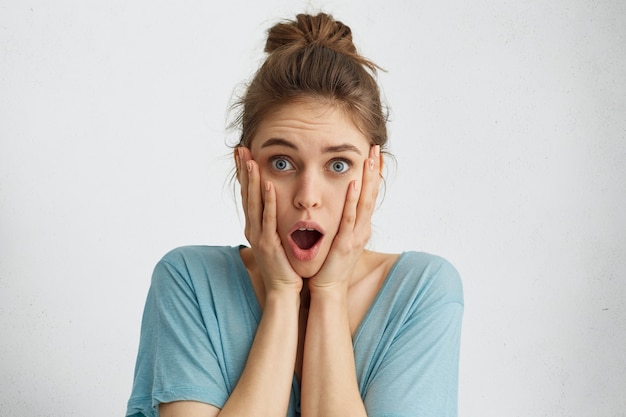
[280, 163]
[339, 166]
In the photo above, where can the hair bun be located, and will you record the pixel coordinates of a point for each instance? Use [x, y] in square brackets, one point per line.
[321, 29]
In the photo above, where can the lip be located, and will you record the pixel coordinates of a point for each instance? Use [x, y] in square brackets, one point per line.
[305, 255]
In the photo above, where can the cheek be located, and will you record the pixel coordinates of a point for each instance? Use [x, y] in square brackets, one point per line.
[335, 199]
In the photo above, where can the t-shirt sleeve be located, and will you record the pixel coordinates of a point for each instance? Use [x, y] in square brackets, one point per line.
[177, 359]
[418, 375]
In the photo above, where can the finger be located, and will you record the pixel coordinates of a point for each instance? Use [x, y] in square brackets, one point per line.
[375, 169]
[254, 203]
[242, 177]
[269, 209]
[367, 198]
[371, 185]
[349, 214]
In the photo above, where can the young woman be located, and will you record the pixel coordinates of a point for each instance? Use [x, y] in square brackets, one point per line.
[305, 321]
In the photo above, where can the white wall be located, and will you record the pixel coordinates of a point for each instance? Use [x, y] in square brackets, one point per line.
[509, 127]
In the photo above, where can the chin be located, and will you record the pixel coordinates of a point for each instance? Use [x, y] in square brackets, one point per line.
[306, 270]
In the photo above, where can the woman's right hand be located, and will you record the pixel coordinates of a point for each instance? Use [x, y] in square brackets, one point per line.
[259, 206]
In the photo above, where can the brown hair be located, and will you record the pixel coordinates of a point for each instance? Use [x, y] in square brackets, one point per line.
[313, 57]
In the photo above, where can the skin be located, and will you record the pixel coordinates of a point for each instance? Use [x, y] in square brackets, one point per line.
[307, 162]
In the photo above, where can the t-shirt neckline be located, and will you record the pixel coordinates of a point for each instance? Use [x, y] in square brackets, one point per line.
[255, 307]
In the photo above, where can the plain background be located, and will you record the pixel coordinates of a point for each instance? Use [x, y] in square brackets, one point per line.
[508, 122]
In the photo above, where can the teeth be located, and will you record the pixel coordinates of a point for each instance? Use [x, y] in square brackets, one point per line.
[302, 229]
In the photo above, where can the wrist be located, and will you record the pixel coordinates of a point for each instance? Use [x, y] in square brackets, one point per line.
[330, 291]
[283, 296]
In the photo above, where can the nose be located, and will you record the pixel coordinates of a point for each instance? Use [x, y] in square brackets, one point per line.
[308, 192]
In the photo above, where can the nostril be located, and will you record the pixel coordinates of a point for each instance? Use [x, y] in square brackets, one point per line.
[306, 205]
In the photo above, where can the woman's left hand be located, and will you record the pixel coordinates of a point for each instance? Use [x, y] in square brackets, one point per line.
[354, 229]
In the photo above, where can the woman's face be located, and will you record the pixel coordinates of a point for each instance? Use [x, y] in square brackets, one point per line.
[311, 152]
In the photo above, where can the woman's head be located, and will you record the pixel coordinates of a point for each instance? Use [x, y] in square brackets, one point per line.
[310, 119]
[313, 57]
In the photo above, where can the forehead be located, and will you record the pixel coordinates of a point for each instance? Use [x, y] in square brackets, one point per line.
[310, 124]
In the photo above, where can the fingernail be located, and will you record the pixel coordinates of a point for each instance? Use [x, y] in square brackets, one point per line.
[372, 163]
[240, 152]
[267, 185]
[249, 166]
[377, 151]
[355, 185]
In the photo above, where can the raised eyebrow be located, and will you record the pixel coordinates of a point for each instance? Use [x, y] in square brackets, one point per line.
[346, 147]
[279, 142]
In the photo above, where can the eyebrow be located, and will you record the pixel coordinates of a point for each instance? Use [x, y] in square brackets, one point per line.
[345, 147]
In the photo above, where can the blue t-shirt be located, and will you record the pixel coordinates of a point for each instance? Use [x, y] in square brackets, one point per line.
[201, 316]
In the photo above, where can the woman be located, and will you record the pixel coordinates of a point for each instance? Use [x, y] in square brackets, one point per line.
[305, 321]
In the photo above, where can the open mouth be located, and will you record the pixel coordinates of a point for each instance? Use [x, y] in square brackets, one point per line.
[306, 238]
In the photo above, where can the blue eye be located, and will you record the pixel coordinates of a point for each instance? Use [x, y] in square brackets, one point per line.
[339, 166]
[281, 164]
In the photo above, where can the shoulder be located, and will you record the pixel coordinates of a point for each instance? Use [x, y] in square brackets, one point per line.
[190, 258]
[197, 253]
[428, 277]
[188, 263]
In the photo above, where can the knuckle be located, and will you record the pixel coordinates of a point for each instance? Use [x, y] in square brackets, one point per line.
[268, 215]
[349, 218]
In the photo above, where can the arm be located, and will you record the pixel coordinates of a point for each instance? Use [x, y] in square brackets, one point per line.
[265, 384]
[329, 383]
